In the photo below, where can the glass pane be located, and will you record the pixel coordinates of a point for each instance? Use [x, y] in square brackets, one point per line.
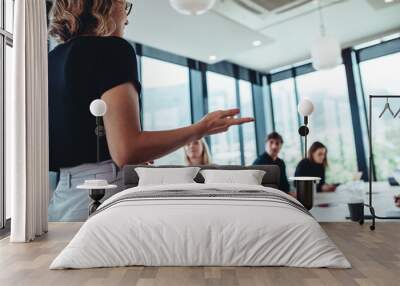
[286, 122]
[9, 13]
[331, 122]
[225, 147]
[1, 15]
[8, 79]
[380, 76]
[249, 131]
[2, 135]
[166, 100]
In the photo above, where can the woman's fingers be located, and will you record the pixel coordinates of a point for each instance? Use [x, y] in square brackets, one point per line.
[220, 121]
[238, 121]
[230, 112]
[228, 122]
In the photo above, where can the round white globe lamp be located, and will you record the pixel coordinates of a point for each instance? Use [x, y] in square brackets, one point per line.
[98, 108]
[306, 107]
[192, 7]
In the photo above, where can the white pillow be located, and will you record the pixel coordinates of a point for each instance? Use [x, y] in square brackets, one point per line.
[248, 177]
[166, 176]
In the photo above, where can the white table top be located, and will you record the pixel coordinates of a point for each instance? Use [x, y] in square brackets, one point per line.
[333, 206]
[304, 178]
[92, 187]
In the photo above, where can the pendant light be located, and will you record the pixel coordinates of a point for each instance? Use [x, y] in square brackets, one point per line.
[326, 51]
[192, 7]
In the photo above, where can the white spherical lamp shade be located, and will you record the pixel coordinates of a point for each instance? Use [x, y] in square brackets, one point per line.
[192, 7]
[306, 107]
[98, 108]
[326, 53]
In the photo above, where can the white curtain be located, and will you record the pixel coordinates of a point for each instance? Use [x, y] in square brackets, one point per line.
[27, 124]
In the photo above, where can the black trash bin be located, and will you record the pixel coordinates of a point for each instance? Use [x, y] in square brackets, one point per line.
[356, 211]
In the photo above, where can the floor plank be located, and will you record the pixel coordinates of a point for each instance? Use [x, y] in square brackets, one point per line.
[375, 257]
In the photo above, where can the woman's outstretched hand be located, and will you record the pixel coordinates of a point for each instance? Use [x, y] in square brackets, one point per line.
[220, 121]
[129, 144]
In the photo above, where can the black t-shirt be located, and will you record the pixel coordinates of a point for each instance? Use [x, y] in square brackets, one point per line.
[265, 159]
[80, 71]
[307, 168]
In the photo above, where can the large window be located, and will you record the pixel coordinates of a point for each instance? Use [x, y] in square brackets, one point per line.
[225, 147]
[6, 63]
[331, 121]
[380, 76]
[286, 122]
[249, 129]
[9, 13]
[166, 100]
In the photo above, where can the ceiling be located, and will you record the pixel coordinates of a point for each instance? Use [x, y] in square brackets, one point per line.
[229, 31]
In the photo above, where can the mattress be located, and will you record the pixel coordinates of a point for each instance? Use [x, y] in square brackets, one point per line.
[201, 225]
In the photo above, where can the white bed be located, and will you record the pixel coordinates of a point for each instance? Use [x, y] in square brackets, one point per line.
[201, 231]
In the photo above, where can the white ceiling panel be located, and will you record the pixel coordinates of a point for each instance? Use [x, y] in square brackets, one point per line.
[156, 24]
[351, 22]
[286, 37]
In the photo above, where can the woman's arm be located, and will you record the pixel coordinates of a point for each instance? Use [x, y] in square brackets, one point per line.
[128, 144]
[323, 186]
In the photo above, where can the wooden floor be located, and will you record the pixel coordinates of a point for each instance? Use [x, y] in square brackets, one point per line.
[375, 257]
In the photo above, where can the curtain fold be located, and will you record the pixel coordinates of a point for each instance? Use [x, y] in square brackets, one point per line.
[27, 124]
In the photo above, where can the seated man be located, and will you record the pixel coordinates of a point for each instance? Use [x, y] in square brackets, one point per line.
[273, 145]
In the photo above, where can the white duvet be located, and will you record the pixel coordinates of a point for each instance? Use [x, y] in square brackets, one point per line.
[202, 232]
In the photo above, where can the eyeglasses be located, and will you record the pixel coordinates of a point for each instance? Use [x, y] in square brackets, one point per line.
[128, 8]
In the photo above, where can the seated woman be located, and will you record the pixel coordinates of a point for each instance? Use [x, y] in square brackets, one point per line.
[197, 153]
[315, 166]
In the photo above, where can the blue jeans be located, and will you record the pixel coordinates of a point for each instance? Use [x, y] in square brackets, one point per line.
[68, 203]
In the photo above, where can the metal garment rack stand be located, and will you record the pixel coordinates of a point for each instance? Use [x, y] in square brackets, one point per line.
[371, 160]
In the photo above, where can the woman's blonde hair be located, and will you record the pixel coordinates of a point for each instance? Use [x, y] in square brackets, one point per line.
[72, 18]
[205, 158]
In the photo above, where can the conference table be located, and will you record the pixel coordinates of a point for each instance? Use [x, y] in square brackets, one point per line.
[332, 207]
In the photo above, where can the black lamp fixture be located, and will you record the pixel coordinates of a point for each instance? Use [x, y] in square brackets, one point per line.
[305, 185]
[97, 188]
[305, 109]
[98, 109]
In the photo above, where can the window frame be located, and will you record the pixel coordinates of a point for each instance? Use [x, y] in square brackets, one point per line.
[351, 59]
[234, 87]
[6, 39]
[379, 50]
[343, 133]
[198, 87]
[261, 87]
[306, 68]
[279, 79]
[178, 64]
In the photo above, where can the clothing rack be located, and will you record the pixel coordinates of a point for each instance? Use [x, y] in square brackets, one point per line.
[371, 160]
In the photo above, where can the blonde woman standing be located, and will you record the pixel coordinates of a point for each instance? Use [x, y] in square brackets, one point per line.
[93, 61]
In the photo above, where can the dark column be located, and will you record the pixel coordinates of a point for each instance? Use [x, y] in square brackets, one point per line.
[259, 111]
[355, 113]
